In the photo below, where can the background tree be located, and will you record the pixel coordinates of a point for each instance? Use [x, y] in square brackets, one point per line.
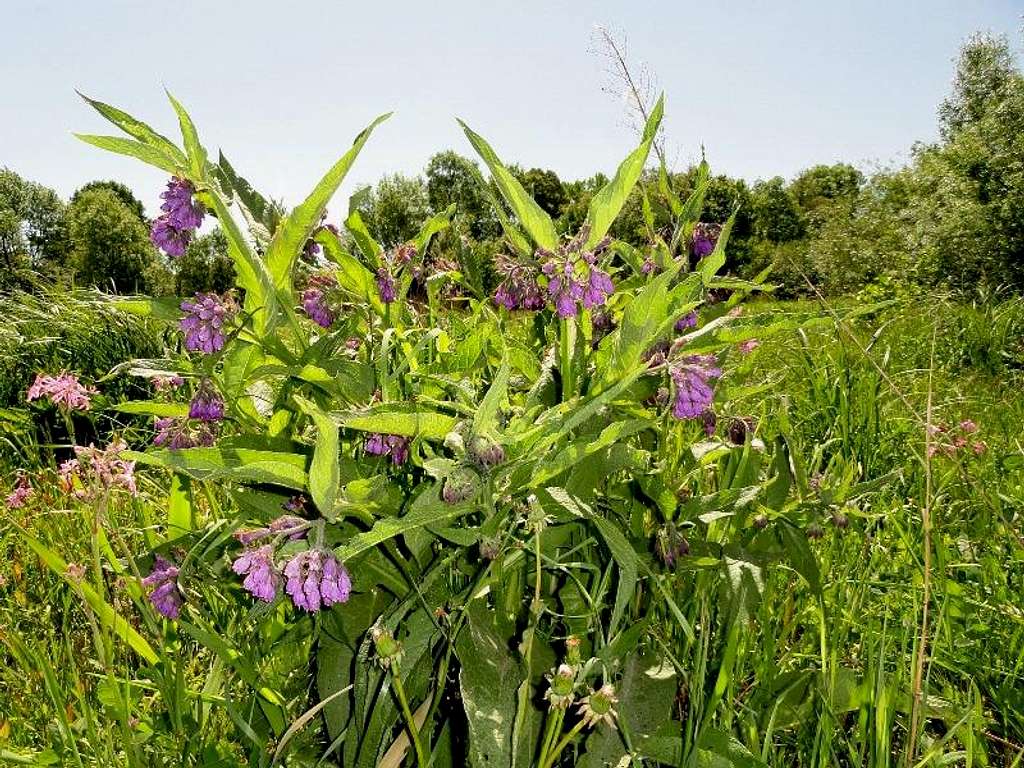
[206, 266]
[33, 231]
[546, 188]
[396, 208]
[121, 190]
[111, 245]
[452, 178]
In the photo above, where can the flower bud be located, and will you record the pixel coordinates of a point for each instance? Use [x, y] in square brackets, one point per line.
[388, 649]
[486, 452]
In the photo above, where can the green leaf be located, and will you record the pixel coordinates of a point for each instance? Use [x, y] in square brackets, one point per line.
[531, 216]
[144, 152]
[180, 517]
[106, 615]
[298, 226]
[137, 130]
[608, 201]
[352, 275]
[488, 681]
[324, 471]
[154, 408]
[708, 266]
[433, 225]
[261, 209]
[426, 510]
[393, 419]
[167, 308]
[550, 467]
[485, 418]
[193, 149]
[231, 463]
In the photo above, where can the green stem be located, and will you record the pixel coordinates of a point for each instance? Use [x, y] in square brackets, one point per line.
[563, 744]
[565, 348]
[414, 732]
[551, 731]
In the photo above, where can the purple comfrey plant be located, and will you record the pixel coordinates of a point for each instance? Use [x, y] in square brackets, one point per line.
[705, 237]
[294, 528]
[574, 277]
[207, 404]
[519, 288]
[204, 321]
[261, 576]
[162, 582]
[689, 320]
[314, 299]
[315, 579]
[64, 390]
[386, 288]
[176, 434]
[182, 215]
[395, 446]
[691, 376]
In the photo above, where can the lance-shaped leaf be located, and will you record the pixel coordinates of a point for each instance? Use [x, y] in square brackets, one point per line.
[137, 129]
[708, 266]
[516, 239]
[144, 152]
[190, 136]
[531, 216]
[361, 234]
[398, 419]
[433, 225]
[262, 210]
[296, 229]
[324, 471]
[608, 201]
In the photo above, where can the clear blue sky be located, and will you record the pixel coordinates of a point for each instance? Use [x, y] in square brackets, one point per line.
[768, 87]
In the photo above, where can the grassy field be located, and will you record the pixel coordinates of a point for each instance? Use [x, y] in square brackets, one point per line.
[817, 680]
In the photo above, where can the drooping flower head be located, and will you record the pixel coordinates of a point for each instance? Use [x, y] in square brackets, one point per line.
[573, 275]
[94, 471]
[182, 216]
[207, 404]
[692, 391]
[204, 322]
[21, 493]
[671, 545]
[176, 434]
[519, 288]
[315, 579]
[395, 446]
[689, 320]
[162, 582]
[295, 527]
[315, 301]
[705, 237]
[261, 576]
[386, 288]
[64, 390]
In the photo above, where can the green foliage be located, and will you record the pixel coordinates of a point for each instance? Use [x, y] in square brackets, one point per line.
[206, 266]
[395, 208]
[111, 251]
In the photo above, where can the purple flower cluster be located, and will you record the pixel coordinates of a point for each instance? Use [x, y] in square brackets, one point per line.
[315, 302]
[315, 578]
[261, 577]
[518, 288]
[97, 470]
[395, 446]
[207, 404]
[705, 237]
[182, 215]
[177, 434]
[386, 288]
[162, 582]
[671, 545]
[693, 394]
[689, 320]
[64, 390]
[574, 277]
[204, 321]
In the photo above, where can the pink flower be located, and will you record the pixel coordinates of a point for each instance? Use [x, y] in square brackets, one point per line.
[64, 391]
[98, 469]
[749, 346]
[968, 426]
[22, 492]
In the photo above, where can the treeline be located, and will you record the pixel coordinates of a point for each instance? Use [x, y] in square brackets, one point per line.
[952, 218]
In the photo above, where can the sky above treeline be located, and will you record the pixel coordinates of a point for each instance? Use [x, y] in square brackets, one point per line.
[767, 87]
